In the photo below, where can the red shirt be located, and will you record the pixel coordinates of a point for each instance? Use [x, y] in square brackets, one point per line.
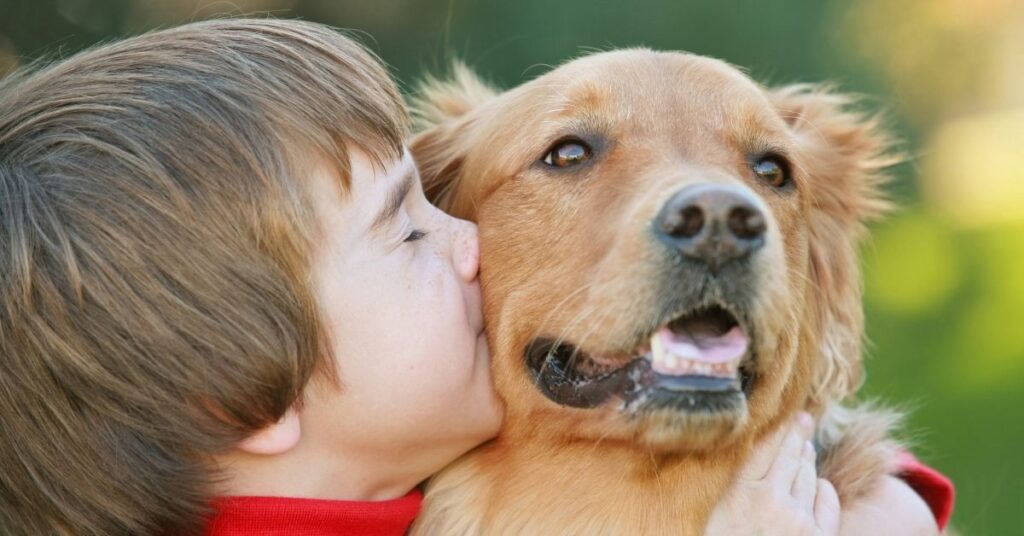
[285, 516]
[282, 516]
[934, 487]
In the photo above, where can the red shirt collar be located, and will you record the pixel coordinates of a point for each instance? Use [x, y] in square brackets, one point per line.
[285, 516]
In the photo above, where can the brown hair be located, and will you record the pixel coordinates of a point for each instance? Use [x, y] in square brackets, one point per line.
[155, 242]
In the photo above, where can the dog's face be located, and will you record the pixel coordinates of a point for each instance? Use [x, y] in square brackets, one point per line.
[667, 247]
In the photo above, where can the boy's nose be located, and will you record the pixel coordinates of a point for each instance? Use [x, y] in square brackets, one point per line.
[466, 250]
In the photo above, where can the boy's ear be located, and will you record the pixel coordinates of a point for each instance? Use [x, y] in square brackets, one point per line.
[277, 438]
[844, 155]
[442, 112]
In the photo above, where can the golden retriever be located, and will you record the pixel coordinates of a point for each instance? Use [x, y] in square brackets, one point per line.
[669, 273]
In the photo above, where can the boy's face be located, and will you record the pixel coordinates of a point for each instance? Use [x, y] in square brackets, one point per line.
[396, 281]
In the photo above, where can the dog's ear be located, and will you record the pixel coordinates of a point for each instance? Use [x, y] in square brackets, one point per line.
[844, 155]
[442, 115]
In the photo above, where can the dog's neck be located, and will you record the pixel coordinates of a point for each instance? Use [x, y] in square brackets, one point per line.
[589, 488]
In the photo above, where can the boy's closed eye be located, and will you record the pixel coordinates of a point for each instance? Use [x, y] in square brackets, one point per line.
[395, 199]
[415, 235]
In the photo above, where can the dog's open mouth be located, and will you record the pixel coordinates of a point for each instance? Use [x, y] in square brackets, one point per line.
[708, 342]
[700, 357]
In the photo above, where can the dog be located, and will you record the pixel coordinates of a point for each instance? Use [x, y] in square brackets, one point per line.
[669, 271]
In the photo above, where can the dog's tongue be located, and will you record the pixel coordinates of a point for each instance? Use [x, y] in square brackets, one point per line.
[703, 346]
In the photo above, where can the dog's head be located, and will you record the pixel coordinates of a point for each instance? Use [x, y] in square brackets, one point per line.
[668, 248]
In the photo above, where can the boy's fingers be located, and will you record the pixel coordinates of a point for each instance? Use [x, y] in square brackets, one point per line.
[805, 486]
[826, 508]
[787, 460]
[767, 450]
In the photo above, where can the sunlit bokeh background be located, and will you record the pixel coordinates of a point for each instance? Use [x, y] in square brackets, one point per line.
[944, 275]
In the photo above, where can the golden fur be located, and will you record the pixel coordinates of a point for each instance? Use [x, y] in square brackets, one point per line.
[565, 254]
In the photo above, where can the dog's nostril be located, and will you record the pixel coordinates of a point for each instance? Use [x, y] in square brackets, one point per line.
[746, 222]
[693, 221]
[685, 223]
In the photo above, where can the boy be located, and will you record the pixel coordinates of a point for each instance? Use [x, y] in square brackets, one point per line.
[221, 278]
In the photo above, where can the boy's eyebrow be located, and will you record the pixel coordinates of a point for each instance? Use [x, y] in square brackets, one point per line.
[394, 200]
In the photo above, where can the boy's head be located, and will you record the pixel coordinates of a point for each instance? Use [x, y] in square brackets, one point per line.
[162, 282]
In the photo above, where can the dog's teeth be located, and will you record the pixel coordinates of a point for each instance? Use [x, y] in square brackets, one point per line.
[657, 350]
[681, 361]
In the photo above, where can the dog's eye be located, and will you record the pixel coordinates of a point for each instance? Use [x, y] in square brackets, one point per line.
[568, 153]
[772, 169]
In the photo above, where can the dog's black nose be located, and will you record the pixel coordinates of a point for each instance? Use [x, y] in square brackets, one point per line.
[712, 224]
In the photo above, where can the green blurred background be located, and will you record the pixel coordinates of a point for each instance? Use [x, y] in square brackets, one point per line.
[944, 275]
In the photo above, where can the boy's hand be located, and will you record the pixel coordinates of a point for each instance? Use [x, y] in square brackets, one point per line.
[893, 508]
[778, 492]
